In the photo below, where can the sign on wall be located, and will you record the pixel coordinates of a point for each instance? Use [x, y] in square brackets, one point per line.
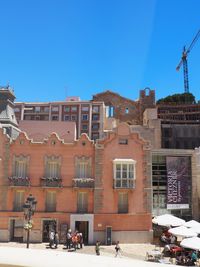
[178, 182]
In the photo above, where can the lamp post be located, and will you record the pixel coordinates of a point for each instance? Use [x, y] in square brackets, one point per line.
[29, 209]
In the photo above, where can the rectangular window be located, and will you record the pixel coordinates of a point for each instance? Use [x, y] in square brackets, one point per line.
[82, 202]
[127, 110]
[123, 141]
[84, 117]
[20, 167]
[67, 109]
[73, 108]
[95, 109]
[124, 173]
[85, 108]
[52, 169]
[54, 108]
[123, 202]
[18, 201]
[83, 167]
[95, 126]
[46, 109]
[73, 117]
[37, 109]
[109, 111]
[84, 126]
[54, 118]
[95, 117]
[50, 201]
[67, 118]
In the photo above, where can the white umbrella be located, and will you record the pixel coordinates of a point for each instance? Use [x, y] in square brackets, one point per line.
[192, 224]
[196, 229]
[192, 243]
[168, 220]
[182, 231]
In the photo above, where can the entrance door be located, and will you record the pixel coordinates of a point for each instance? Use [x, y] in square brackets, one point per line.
[48, 225]
[83, 227]
[16, 230]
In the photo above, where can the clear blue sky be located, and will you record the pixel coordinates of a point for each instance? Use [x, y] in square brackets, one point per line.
[50, 49]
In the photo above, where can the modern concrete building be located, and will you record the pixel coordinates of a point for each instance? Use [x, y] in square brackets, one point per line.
[180, 125]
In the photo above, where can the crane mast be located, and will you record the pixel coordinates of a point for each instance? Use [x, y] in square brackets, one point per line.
[184, 62]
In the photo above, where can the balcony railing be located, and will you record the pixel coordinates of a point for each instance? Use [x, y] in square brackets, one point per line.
[83, 182]
[51, 182]
[19, 181]
[124, 183]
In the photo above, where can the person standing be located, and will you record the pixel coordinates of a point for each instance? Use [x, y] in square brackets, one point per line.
[97, 248]
[51, 238]
[81, 240]
[69, 238]
[117, 249]
[56, 239]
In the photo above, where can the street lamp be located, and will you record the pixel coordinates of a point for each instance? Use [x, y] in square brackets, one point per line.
[29, 209]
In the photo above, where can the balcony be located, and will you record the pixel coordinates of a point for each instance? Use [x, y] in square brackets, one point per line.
[124, 183]
[51, 182]
[19, 181]
[83, 182]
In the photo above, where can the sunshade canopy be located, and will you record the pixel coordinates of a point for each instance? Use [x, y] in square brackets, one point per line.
[168, 220]
[192, 243]
[182, 231]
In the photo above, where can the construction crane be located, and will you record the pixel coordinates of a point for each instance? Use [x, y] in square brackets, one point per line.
[184, 62]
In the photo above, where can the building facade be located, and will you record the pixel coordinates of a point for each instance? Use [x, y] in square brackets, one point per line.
[180, 125]
[88, 116]
[92, 187]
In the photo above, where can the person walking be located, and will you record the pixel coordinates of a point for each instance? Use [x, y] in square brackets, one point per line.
[97, 248]
[117, 249]
[56, 239]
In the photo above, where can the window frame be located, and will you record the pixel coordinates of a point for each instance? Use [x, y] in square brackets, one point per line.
[124, 173]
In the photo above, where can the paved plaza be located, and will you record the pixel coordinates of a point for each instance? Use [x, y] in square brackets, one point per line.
[38, 256]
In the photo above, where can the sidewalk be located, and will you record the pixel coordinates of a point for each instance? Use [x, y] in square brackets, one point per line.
[36, 257]
[133, 251]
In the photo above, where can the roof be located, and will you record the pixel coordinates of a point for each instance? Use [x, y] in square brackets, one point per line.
[39, 130]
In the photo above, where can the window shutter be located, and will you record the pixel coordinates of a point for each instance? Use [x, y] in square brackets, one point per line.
[123, 203]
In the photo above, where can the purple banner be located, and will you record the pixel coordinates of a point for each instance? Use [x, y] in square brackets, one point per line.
[177, 182]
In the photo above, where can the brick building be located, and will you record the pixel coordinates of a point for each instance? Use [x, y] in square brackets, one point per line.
[124, 109]
[78, 185]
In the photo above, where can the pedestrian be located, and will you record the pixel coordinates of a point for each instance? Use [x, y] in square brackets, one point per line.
[117, 249]
[69, 239]
[56, 239]
[51, 238]
[97, 248]
[81, 240]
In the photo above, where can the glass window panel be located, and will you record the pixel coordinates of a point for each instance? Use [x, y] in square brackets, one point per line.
[124, 183]
[131, 171]
[118, 183]
[124, 171]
